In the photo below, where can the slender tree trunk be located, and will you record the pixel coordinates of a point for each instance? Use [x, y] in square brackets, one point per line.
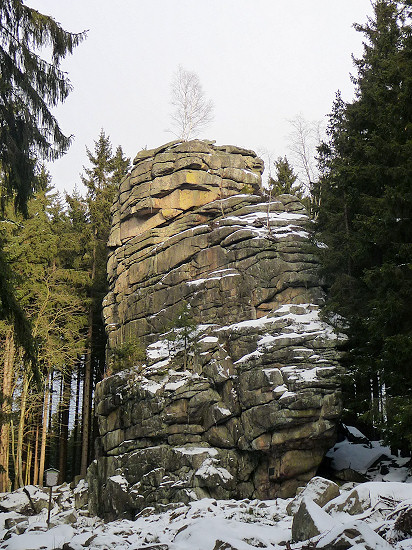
[29, 456]
[75, 453]
[5, 412]
[13, 447]
[88, 377]
[87, 399]
[64, 425]
[44, 429]
[36, 456]
[18, 481]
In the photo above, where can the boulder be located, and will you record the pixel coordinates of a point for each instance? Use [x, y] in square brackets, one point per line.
[239, 392]
[319, 489]
[81, 494]
[403, 523]
[309, 521]
[27, 500]
[352, 535]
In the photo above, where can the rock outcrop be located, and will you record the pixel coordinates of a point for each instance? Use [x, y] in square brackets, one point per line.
[239, 393]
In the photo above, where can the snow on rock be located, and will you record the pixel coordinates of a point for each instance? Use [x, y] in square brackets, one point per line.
[195, 450]
[367, 458]
[209, 469]
[357, 457]
[356, 535]
[209, 524]
[319, 490]
[47, 539]
[367, 495]
[310, 520]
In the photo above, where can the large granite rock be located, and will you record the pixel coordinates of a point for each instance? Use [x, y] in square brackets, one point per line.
[239, 393]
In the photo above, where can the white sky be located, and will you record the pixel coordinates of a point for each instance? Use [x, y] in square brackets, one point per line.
[262, 62]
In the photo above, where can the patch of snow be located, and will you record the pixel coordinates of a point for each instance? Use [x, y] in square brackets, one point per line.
[209, 468]
[223, 411]
[158, 350]
[209, 339]
[248, 356]
[196, 450]
[287, 394]
[321, 519]
[171, 386]
[358, 457]
[150, 385]
[120, 480]
[280, 390]
[34, 540]
[198, 282]
[355, 432]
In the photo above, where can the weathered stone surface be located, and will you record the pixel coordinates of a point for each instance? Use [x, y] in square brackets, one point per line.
[354, 535]
[354, 503]
[319, 489]
[309, 521]
[248, 406]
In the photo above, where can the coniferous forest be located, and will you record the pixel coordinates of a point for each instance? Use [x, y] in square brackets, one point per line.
[53, 248]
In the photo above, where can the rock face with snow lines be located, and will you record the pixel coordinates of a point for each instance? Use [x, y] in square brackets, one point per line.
[239, 393]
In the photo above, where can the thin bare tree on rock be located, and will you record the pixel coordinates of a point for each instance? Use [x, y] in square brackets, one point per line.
[192, 111]
[304, 140]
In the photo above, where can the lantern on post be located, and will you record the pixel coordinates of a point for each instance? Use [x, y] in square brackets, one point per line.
[51, 476]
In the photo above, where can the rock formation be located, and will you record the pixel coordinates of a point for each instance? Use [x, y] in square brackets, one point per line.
[239, 393]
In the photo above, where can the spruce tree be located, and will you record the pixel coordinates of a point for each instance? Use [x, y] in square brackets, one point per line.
[366, 224]
[30, 86]
[285, 179]
[101, 180]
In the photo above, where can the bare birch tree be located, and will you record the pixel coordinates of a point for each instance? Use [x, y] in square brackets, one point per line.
[304, 139]
[192, 111]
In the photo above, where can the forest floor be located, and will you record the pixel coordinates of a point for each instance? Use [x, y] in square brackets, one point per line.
[373, 513]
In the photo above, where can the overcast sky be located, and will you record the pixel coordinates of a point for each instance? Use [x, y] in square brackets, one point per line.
[262, 62]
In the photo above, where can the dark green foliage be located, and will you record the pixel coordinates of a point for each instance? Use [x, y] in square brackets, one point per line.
[365, 219]
[29, 86]
[101, 179]
[284, 180]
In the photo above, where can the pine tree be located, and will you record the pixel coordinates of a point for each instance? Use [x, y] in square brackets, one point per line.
[365, 220]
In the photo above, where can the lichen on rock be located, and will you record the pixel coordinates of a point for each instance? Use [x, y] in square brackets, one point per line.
[239, 394]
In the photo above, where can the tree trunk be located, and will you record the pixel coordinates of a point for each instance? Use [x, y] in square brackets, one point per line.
[36, 457]
[44, 430]
[18, 481]
[64, 426]
[87, 400]
[29, 456]
[88, 377]
[9, 351]
[75, 450]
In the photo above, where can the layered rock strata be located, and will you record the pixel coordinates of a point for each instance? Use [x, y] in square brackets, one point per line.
[239, 394]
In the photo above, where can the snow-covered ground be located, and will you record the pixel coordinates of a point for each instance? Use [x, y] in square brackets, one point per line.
[364, 516]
